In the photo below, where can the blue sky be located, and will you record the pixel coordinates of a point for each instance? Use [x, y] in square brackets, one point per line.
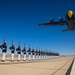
[19, 21]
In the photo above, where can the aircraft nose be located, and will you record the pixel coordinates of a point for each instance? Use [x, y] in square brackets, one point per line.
[70, 13]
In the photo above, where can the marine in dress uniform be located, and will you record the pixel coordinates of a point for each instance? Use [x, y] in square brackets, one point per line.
[48, 55]
[12, 48]
[52, 54]
[36, 54]
[44, 54]
[19, 52]
[39, 54]
[58, 55]
[24, 52]
[33, 54]
[4, 50]
[29, 52]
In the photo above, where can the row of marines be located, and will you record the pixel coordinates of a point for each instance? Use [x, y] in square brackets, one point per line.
[39, 54]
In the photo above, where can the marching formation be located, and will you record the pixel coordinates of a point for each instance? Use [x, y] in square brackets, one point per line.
[34, 54]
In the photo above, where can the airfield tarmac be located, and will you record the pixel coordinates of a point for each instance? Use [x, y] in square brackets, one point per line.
[58, 66]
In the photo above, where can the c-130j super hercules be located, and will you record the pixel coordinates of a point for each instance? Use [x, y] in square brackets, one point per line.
[69, 22]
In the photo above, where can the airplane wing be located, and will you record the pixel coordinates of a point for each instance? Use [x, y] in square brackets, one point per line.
[59, 23]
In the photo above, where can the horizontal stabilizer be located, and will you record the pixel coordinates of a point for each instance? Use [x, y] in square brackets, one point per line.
[65, 30]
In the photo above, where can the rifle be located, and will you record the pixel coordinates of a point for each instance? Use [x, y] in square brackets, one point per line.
[12, 47]
[24, 50]
[1, 46]
[18, 47]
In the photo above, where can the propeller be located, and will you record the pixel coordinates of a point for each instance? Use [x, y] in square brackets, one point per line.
[61, 19]
[51, 20]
